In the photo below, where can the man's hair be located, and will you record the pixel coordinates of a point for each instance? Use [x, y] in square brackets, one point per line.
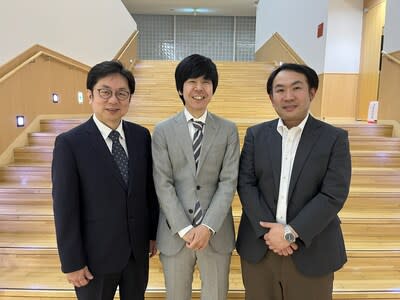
[310, 74]
[195, 66]
[106, 68]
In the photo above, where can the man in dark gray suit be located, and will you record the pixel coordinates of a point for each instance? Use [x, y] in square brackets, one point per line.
[294, 178]
[105, 206]
[195, 162]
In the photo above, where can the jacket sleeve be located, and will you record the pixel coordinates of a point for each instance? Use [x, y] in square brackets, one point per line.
[66, 206]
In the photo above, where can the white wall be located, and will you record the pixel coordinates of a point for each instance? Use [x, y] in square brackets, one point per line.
[296, 21]
[89, 31]
[338, 50]
[391, 41]
[343, 36]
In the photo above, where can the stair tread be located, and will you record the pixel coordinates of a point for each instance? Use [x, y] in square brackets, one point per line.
[365, 244]
[49, 277]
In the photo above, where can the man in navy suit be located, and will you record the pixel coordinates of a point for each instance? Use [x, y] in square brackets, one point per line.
[294, 178]
[105, 206]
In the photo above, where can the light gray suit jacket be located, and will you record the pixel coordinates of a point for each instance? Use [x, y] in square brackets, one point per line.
[178, 185]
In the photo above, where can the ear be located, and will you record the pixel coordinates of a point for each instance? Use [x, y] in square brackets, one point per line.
[313, 91]
[271, 97]
[90, 96]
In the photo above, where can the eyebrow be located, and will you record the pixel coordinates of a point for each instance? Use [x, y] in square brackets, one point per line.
[292, 84]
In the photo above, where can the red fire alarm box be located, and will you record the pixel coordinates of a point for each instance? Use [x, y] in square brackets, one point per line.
[320, 30]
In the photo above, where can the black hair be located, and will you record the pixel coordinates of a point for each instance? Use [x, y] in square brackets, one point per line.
[106, 68]
[310, 74]
[194, 66]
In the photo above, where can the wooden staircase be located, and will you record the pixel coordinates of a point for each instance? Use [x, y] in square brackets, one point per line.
[29, 265]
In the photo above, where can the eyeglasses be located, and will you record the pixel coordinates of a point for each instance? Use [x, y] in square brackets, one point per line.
[121, 95]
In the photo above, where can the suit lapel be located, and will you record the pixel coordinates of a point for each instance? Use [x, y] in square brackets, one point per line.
[306, 144]
[100, 148]
[274, 147]
[132, 147]
[184, 140]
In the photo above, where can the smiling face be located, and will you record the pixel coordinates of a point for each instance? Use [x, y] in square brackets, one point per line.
[291, 97]
[110, 111]
[197, 93]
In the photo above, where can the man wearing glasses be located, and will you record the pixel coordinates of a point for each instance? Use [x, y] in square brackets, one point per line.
[105, 206]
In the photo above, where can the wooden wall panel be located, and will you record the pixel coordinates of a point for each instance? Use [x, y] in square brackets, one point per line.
[373, 22]
[277, 50]
[339, 96]
[128, 53]
[389, 89]
[28, 90]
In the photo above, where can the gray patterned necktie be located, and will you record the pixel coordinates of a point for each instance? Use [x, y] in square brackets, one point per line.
[119, 155]
[197, 138]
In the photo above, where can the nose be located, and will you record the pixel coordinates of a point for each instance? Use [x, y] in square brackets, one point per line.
[288, 95]
[198, 86]
[113, 98]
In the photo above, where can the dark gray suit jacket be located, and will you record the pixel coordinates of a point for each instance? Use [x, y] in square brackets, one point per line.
[319, 186]
[101, 221]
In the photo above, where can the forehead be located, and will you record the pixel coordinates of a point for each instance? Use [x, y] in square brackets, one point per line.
[287, 78]
[197, 78]
[114, 80]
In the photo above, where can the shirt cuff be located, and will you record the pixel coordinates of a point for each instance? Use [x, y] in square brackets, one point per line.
[185, 230]
[293, 231]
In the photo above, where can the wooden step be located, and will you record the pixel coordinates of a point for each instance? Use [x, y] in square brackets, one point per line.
[35, 154]
[387, 159]
[360, 234]
[369, 130]
[363, 130]
[42, 138]
[376, 143]
[376, 203]
[59, 125]
[375, 176]
[361, 274]
[23, 173]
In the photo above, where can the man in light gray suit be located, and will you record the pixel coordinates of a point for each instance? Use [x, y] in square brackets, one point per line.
[196, 158]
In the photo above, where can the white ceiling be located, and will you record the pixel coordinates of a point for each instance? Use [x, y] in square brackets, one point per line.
[185, 7]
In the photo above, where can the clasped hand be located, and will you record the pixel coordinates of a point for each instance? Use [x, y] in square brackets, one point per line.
[275, 241]
[197, 238]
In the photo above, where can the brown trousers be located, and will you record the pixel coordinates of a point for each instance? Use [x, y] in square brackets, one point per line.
[277, 278]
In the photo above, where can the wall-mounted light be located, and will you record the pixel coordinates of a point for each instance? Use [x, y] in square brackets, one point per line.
[80, 97]
[20, 121]
[55, 97]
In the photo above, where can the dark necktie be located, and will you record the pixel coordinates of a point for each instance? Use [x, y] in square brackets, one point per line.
[197, 138]
[119, 155]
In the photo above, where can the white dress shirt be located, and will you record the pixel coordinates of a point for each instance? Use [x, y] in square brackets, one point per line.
[105, 131]
[290, 141]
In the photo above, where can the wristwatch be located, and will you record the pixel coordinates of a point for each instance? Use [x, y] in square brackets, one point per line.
[288, 234]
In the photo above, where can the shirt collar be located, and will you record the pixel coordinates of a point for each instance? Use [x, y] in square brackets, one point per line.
[105, 130]
[189, 116]
[281, 126]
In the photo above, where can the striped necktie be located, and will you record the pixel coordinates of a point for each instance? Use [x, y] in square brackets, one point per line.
[197, 138]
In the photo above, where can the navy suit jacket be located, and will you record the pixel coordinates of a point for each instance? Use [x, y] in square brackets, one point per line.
[100, 221]
[318, 188]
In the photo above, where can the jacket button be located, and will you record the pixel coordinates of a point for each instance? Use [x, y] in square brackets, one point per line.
[190, 210]
[198, 187]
